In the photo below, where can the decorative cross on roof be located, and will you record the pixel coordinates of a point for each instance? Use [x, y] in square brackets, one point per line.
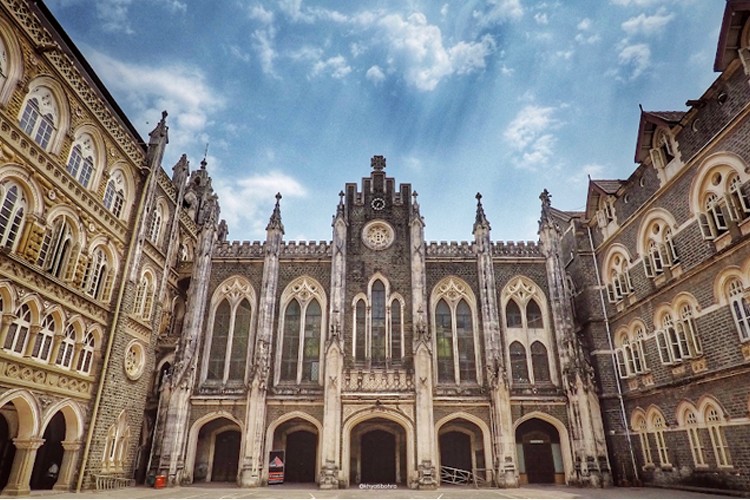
[377, 163]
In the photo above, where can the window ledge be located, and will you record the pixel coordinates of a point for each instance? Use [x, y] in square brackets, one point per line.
[722, 241]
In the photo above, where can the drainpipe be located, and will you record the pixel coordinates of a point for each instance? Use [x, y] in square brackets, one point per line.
[614, 356]
[111, 339]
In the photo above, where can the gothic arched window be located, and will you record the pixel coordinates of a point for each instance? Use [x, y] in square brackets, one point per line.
[301, 331]
[230, 339]
[378, 325]
[18, 332]
[519, 367]
[57, 248]
[67, 348]
[97, 279]
[540, 362]
[114, 194]
[513, 315]
[86, 355]
[81, 160]
[444, 338]
[43, 342]
[39, 116]
[12, 206]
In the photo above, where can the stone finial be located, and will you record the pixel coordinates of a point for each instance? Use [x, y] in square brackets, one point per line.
[546, 198]
[275, 221]
[377, 163]
[481, 218]
[340, 206]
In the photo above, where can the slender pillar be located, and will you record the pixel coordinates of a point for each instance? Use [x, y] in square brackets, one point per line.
[69, 459]
[23, 465]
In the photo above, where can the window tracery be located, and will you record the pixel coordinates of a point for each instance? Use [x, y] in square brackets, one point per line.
[40, 115]
[378, 333]
[12, 207]
[301, 332]
[455, 333]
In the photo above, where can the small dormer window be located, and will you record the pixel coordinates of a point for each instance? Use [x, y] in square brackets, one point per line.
[662, 152]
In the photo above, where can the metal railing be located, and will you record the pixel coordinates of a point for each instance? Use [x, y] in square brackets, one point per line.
[109, 482]
[478, 477]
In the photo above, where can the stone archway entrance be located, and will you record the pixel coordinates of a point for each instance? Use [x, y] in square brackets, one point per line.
[378, 453]
[539, 455]
[298, 438]
[49, 456]
[7, 448]
[217, 451]
[462, 452]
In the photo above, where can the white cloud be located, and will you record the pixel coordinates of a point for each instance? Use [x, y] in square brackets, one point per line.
[263, 43]
[583, 36]
[636, 57]
[335, 66]
[637, 3]
[541, 18]
[593, 170]
[498, 11]
[564, 54]
[180, 90]
[584, 25]
[114, 16]
[530, 135]
[259, 13]
[375, 74]
[647, 25]
[248, 202]
[240, 54]
[416, 48]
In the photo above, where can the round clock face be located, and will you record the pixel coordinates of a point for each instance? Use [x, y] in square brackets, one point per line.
[378, 203]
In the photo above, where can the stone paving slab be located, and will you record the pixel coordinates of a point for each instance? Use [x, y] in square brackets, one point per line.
[447, 493]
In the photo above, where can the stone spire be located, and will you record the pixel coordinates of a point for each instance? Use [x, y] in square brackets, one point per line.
[481, 219]
[340, 206]
[157, 142]
[275, 221]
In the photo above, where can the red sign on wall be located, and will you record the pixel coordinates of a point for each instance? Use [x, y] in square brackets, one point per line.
[276, 467]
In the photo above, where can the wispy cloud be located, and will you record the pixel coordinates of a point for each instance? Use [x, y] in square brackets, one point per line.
[635, 59]
[335, 66]
[375, 74]
[181, 90]
[498, 11]
[247, 202]
[416, 48]
[584, 35]
[113, 15]
[647, 25]
[530, 135]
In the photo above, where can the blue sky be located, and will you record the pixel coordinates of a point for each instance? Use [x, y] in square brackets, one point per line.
[505, 97]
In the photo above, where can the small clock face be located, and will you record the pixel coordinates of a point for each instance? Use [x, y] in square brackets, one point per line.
[378, 203]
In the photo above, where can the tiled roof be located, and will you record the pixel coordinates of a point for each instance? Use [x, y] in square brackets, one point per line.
[668, 116]
[609, 186]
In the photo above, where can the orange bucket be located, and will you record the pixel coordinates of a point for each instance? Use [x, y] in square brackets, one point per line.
[160, 481]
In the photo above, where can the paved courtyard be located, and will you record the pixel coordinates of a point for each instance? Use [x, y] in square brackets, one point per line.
[294, 492]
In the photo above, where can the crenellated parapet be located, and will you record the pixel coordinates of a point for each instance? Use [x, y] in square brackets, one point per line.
[516, 249]
[256, 249]
[464, 249]
[453, 249]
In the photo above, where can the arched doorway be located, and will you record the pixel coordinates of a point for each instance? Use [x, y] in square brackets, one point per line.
[462, 451]
[378, 453]
[226, 456]
[539, 455]
[49, 456]
[298, 438]
[7, 448]
[217, 451]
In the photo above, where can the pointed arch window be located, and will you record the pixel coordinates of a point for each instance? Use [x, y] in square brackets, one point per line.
[378, 326]
[661, 252]
[86, 356]
[67, 348]
[302, 329]
[533, 315]
[39, 116]
[12, 207]
[97, 280]
[18, 332]
[540, 362]
[300, 354]
[114, 194]
[156, 222]
[519, 367]
[678, 339]
[116, 444]
[642, 430]
[714, 422]
[740, 309]
[725, 201]
[57, 248]
[81, 160]
[43, 341]
[659, 426]
[144, 296]
[693, 432]
[513, 318]
[230, 339]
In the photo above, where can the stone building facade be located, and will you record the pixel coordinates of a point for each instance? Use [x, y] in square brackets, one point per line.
[137, 341]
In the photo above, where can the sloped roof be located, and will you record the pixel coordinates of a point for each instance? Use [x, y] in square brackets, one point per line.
[649, 121]
[608, 186]
[736, 13]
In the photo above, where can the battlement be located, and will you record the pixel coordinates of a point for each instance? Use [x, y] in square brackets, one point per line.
[516, 249]
[256, 249]
[465, 249]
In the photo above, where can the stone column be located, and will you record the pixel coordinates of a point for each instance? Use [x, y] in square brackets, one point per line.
[5, 320]
[31, 339]
[334, 358]
[67, 466]
[588, 443]
[504, 464]
[426, 474]
[23, 465]
[253, 446]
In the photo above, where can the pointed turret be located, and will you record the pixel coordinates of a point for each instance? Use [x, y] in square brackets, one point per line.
[274, 224]
[157, 142]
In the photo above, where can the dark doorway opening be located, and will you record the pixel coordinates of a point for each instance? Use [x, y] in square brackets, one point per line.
[378, 452]
[226, 456]
[49, 455]
[537, 438]
[7, 452]
[301, 448]
[455, 450]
